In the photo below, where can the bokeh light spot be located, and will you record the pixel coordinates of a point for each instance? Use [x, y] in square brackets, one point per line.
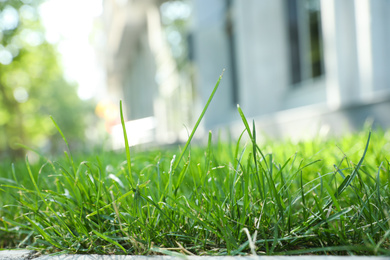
[21, 95]
[31, 37]
[13, 49]
[27, 12]
[9, 18]
[174, 37]
[5, 57]
[175, 10]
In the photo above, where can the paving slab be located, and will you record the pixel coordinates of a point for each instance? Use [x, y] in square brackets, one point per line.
[16, 254]
[32, 255]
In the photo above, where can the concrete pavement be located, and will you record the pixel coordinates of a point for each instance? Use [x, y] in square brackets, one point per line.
[16, 254]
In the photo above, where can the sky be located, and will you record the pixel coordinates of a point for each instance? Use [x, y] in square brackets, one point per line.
[69, 24]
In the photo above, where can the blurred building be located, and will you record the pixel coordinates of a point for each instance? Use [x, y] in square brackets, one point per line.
[296, 66]
[141, 71]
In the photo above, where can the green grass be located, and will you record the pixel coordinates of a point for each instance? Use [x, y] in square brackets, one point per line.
[234, 197]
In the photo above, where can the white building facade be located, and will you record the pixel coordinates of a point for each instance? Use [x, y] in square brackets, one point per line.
[295, 66]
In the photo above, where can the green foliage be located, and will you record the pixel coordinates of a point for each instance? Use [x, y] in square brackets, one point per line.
[32, 86]
[297, 198]
[228, 198]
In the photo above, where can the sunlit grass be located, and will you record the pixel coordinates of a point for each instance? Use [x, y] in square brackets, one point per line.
[323, 196]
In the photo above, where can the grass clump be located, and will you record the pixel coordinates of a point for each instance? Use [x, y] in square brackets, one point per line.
[226, 198]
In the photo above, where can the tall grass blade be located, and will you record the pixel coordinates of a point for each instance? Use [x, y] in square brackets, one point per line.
[66, 142]
[197, 123]
[248, 130]
[127, 147]
[347, 181]
[349, 178]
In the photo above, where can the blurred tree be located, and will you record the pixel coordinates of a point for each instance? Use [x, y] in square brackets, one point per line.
[32, 85]
[175, 16]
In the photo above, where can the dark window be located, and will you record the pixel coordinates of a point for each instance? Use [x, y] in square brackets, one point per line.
[316, 39]
[232, 51]
[305, 36]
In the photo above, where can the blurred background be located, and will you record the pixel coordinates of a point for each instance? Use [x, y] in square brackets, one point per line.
[299, 68]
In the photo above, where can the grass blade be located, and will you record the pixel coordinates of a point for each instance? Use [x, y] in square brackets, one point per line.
[109, 240]
[198, 122]
[66, 142]
[127, 147]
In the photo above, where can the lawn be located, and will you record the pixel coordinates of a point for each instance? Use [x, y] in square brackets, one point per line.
[250, 195]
